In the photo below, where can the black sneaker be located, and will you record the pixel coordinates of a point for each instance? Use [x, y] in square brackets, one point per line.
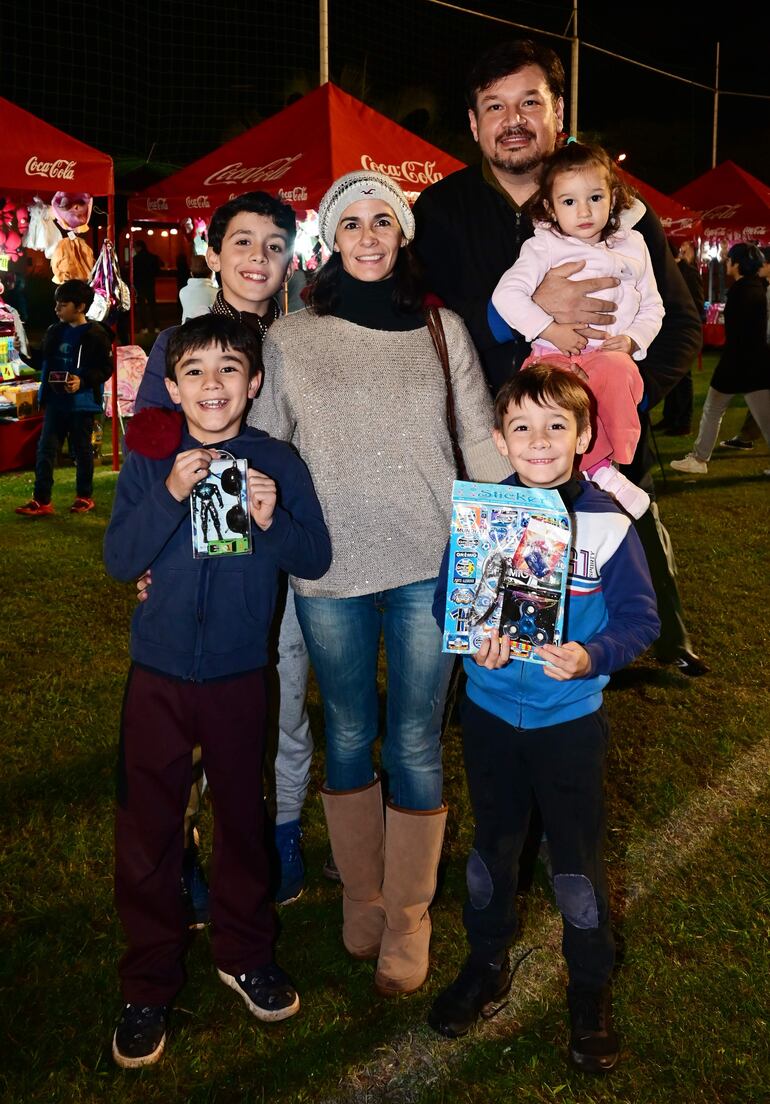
[330, 870]
[737, 443]
[593, 1044]
[478, 990]
[689, 664]
[140, 1036]
[268, 993]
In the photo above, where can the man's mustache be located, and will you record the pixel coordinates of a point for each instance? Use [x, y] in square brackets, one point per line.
[515, 132]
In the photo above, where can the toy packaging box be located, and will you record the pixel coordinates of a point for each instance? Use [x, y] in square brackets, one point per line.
[219, 510]
[508, 563]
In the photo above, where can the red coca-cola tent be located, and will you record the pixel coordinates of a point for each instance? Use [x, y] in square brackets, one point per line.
[679, 223]
[734, 204]
[39, 158]
[296, 155]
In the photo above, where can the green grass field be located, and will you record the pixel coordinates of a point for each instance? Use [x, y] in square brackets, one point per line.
[689, 804]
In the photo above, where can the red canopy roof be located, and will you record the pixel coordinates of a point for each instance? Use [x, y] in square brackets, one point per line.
[734, 203]
[297, 154]
[38, 158]
[679, 223]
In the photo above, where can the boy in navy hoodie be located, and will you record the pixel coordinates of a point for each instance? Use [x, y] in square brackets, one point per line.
[198, 651]
[533, 728]
[77, 359]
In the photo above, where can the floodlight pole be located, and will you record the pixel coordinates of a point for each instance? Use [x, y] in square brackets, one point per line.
[716, 114]
[323, 18]
[573, 96]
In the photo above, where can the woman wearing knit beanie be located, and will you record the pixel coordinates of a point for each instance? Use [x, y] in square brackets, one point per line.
[356, 384]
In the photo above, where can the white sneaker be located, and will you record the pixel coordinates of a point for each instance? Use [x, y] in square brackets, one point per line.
[690, 464]
[633, 499]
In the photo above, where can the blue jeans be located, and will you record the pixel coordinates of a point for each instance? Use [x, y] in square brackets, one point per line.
[343, 639]
[57, 424]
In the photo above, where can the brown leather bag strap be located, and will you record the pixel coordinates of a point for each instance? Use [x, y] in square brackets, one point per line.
[436, 330]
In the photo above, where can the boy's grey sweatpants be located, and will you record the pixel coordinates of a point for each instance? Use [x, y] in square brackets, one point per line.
[295, 740]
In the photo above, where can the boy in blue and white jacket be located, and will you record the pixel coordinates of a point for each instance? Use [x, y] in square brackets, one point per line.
[541, 729]
[199, 646]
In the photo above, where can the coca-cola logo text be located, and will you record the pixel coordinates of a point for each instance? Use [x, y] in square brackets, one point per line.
[238, 173]
[197, 201]
[293, 195]
[725, 211]
[55, 170]
[411, 172]
[157, 204]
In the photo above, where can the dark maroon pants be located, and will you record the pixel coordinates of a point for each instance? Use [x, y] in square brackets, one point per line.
[163, 719]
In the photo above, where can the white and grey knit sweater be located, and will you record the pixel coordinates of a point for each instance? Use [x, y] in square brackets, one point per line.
[366, 410]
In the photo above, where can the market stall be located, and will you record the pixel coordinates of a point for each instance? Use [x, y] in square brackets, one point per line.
[39, 164]
[735, 207]
[679, 222]
[295, 154]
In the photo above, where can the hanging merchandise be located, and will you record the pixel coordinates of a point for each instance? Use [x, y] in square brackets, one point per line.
[72, 258]
[12, 221]
[111, 293]
[200, 242]
[42, 232]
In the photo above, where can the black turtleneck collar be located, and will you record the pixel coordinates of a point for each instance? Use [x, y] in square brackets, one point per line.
[371, 304]
[569, 492]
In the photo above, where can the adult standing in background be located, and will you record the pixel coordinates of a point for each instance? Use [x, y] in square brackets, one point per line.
[470, 228]
[146, 268]
[677, 405]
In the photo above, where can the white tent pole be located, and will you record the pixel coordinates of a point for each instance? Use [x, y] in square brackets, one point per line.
[323, 15]
[573, 97]
[716, 113]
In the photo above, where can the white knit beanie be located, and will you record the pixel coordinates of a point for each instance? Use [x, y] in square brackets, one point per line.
[362, 185]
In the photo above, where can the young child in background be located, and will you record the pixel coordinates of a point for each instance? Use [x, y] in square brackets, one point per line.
[77, 359]
[199, 648]
[542, 729]
[586, 213]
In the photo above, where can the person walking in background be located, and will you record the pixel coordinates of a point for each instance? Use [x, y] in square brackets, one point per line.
[744, 366]
[749, 432]
[678, 403]
[146, 268]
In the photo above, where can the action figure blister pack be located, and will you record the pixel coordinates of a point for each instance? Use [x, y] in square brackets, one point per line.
[219, 510]
[508, 564]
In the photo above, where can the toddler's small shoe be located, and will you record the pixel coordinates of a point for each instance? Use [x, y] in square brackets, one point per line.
[33, 508]
[82, 505]
[691, 465]
[140, 1036]
[268, 992]
[633, 499]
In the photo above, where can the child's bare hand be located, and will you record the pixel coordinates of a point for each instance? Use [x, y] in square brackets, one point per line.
[565, 661]
[620, 343]
[189, 468]
[263, 495]
[143, 584]
[72, 385]
[566, 338]
[494, 652]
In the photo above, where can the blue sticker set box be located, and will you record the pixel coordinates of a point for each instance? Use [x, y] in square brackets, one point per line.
[508, 563]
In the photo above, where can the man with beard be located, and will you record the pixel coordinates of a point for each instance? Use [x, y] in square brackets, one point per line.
[470, 228]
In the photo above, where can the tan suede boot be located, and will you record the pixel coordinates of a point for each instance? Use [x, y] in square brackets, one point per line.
[357, 834]
[413, 841]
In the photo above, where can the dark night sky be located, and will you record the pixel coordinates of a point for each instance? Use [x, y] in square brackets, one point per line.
[168, 81]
